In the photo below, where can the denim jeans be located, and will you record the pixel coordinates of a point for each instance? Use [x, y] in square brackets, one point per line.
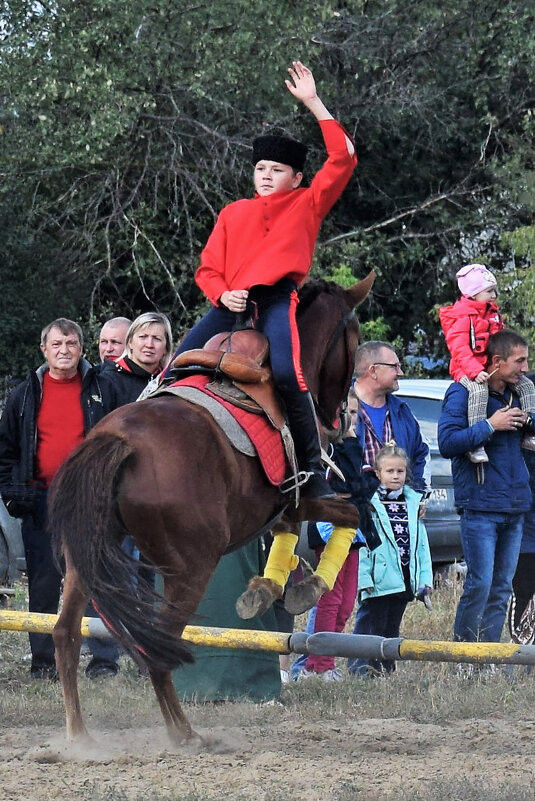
[299, 664]
[276, 319]
[491, 544]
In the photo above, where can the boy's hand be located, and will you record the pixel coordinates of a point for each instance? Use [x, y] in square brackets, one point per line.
[304, 85]
[482, 377]
[235, 300]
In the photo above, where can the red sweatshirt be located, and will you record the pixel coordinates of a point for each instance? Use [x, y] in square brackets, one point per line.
[60, 424]
[264, 239]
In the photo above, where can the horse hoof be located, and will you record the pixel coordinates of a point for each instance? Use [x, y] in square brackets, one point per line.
[304, 595]
[257, 598]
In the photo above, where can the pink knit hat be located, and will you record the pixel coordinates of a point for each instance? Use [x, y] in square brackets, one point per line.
[474, 278]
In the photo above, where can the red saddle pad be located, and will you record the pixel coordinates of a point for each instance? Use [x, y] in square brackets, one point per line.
[264, 436]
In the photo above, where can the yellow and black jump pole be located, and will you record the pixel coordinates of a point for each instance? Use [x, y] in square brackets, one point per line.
[365, 646]
[353, 646]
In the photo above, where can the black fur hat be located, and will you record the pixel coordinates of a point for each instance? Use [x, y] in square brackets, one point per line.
[281, 149]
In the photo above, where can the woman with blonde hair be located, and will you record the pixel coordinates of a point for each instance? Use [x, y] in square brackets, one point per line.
[148, 348]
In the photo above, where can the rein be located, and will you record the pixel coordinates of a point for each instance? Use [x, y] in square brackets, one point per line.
[339, 331]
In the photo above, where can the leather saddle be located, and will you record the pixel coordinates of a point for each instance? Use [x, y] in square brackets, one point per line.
[238, 363]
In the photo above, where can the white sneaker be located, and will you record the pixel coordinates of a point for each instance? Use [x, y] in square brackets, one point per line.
[332, 675]
[306, 674]
[465, 670]
[488, 669]
[327, 676]
[285, 676]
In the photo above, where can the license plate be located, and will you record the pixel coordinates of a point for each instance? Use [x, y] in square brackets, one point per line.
[439, 494]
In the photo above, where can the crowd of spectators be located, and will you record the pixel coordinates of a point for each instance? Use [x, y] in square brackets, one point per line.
[51, 411]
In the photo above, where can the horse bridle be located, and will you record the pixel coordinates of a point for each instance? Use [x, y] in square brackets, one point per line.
[339, 331]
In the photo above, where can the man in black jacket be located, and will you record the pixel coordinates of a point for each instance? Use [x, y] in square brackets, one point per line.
[45, 418]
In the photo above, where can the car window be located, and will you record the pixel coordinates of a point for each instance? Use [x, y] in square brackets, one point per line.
[427, 411]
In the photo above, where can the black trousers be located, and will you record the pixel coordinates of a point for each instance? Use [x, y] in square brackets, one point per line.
[44, 579]
[44, 588]
[380, 616]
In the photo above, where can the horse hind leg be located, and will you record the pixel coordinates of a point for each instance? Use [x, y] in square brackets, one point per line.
[67, 640]
[178, 727]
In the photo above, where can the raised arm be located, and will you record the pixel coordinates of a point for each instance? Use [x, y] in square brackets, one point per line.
[303, 87]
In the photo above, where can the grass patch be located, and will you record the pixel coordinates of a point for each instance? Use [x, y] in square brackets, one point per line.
[465, 790]
[423, 692]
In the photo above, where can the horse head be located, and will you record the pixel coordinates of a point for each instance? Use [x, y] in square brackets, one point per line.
[330, 334]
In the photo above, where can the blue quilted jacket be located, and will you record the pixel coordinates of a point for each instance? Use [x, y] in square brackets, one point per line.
[505, 488]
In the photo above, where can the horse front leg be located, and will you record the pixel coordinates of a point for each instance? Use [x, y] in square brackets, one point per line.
[262, 591]
[67, 640]
[345, 518]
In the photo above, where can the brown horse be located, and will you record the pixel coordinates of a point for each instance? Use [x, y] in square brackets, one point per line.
[163, 471]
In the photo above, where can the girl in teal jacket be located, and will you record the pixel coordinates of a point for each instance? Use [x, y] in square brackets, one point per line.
[399, 569]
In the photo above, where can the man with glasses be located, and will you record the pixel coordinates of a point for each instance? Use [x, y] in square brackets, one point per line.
[382, 415]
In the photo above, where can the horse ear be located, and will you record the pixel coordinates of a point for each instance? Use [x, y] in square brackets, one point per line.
[359, 291]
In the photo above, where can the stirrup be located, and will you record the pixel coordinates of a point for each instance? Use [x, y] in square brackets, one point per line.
[295, 481]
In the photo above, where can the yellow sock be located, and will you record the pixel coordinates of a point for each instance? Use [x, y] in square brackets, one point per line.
[281, 560]
[334, 554]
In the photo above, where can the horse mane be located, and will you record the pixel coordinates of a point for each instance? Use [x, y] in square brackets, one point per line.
[312, 289]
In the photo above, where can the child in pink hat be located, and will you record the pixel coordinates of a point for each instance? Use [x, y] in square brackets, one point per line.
[467, 326]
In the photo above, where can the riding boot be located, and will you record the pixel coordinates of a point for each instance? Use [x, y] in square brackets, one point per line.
[304, 430]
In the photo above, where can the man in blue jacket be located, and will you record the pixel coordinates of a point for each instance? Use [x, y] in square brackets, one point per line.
[492, 498]
[383, 416]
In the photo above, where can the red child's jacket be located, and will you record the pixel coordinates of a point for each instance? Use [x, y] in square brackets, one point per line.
[467, 326]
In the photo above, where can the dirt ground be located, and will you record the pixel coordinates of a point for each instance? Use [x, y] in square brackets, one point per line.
[267, 753]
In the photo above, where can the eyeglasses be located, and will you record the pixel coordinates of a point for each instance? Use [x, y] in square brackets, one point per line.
[394, 365]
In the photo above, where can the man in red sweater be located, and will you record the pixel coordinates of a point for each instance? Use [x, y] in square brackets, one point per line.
[45, 418]
[260, 251]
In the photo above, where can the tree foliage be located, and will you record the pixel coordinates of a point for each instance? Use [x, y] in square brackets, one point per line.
[125, 126]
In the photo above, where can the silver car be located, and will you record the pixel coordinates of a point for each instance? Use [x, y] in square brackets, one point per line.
[11, 553]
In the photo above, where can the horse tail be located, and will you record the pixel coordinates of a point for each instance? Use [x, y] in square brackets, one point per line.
[86, 524]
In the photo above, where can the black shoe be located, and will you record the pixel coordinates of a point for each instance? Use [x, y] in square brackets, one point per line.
[317, 486]
[48, 672]
[97, 669]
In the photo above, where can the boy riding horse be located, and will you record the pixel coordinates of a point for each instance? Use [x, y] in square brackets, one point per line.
[259, 252]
